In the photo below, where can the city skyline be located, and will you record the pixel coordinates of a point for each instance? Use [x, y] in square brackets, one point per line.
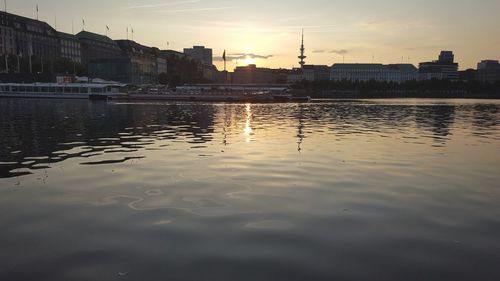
[270, 36]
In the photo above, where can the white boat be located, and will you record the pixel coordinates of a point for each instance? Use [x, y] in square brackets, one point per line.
[66, 91]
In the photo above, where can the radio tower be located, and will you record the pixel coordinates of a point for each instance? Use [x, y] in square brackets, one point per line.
[302, 49]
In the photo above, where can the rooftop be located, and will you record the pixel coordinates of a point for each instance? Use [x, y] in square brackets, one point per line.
[95, 37]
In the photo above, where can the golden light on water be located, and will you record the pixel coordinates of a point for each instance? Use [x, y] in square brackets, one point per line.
[248, 131]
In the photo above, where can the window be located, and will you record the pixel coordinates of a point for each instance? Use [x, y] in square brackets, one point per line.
[74, 90]
[83, 90]
[96, 90]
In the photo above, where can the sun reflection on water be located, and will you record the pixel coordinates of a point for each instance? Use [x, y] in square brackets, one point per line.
[248, 131]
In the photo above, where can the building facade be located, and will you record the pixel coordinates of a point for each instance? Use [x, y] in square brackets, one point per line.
[161, 61]
[136, 64]
[70, 47]
[200, 53]
[396, 73]
[7, 41]
[24, 36]
[442, 69]
[295, 75]
[316, 72]
[143, 62]
[97, 47]
[488, 71]
[309, 73]
[251, 74]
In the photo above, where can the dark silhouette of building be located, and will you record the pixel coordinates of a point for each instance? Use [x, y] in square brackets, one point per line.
[24, 37]
[142, 61]
[200, 53]
[468, 75]
[443, 69]
[488, 71]
[251, 74]
[95, 46]
[316, 72]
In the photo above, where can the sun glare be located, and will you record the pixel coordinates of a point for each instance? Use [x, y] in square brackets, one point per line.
[249, 60]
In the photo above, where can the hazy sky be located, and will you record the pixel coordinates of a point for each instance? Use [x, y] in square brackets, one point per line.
[387, 31]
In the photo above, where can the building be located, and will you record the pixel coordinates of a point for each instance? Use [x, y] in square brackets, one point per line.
[251, 74]
[161, 61]
[97, 47]
[316, 72]
[7, 40]
[443, 69]
[401, 72]
[468, 75]
[295, 75]
[143, 62]
[24, 36]
[200, 53]
[488, 71]
[135, 64]
[359, 72]
[70, 47]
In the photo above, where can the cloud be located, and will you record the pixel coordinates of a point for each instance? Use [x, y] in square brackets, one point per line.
[196, 10]
[162, 4]
[338, 52]
[242, 56]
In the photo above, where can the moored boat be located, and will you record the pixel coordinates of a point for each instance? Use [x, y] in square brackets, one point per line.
[66, 91]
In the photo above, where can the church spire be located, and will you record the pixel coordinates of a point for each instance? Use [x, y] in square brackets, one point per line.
[302, 57]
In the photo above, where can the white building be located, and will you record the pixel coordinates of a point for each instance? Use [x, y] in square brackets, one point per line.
[397, 73]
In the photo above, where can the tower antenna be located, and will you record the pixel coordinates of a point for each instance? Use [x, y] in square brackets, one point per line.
[302, 57]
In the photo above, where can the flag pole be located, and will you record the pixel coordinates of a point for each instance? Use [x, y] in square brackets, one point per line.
[224, 58]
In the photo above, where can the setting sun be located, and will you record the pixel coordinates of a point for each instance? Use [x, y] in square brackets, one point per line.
[248, 60]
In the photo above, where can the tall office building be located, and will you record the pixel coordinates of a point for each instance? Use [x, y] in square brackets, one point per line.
[200, 53]
[488, 71]
[442, 69]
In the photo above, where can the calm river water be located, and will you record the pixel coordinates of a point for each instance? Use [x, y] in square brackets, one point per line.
[340, 190]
